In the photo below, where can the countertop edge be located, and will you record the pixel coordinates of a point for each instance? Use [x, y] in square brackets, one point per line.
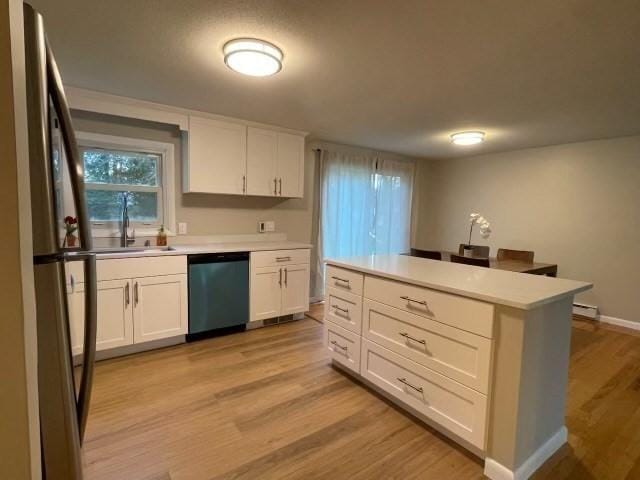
[465, 293]
[200, 249]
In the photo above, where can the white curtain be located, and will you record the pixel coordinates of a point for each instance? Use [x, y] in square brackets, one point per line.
[394, 189]
[365, 206]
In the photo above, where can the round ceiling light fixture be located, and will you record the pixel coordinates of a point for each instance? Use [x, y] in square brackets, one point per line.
[467, 138]
[253, 57]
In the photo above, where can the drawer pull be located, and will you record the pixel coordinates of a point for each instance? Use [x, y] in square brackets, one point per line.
[411, 300]
[343, 280]
[341, 347]
[283, 259]
[405, 382]
[340, 309]
[409, 337]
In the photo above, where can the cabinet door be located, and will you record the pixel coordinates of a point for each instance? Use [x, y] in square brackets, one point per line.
[290, 165]
[295, 289]
[115, 320]
[262, 150]
[216, 157]
[160, 307]
[265, 292]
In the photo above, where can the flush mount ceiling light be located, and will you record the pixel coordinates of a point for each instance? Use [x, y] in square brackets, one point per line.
[467, 138]
[251, 56]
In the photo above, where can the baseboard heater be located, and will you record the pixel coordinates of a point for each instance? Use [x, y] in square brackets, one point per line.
[589, 311]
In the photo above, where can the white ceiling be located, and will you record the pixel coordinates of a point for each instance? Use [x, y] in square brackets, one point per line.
[396, 75]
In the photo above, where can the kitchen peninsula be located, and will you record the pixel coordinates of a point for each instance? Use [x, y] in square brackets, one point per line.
[480, 354]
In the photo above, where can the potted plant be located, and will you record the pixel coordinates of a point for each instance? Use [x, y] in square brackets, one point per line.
[70, 226]
[485, 231]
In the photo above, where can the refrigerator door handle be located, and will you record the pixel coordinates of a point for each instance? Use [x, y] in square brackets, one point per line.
[76, 166]
[90, 331]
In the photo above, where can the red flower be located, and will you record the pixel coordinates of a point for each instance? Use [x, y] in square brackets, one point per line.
[70, 220]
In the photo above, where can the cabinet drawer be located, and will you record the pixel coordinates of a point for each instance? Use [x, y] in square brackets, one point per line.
[459, 409]
[459, 355]
[464, 313]
[272, 258]
[344, 309]
[343, 346]
[74, 273]
[344, 280]
[110, 269]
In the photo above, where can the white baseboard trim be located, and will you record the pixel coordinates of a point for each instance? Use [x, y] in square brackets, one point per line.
[497, 471]
[620, 322]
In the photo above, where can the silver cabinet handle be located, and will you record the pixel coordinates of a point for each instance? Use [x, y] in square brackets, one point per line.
[343, 280]
[73, 284]
[286, 275]
[135, 294]
[405, 382]
[280, 188]
[340, 309]
[127, 300]
[411, 300]
[409, 337]
[341, 347]
[244, 184]
[283, 259]
[275, 186]
[280, 278]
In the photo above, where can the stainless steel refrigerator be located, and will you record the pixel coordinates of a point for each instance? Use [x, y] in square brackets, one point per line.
[54, 156]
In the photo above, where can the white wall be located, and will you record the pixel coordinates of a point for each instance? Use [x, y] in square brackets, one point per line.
[576, 205]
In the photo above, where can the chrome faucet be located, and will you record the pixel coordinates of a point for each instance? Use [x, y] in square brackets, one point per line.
[125, 239]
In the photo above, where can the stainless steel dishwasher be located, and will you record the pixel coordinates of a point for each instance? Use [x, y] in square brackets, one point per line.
[218, 293]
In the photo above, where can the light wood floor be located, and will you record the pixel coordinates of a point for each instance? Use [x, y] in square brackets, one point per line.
[265, 404]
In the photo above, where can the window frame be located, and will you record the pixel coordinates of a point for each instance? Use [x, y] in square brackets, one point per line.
[165, 188]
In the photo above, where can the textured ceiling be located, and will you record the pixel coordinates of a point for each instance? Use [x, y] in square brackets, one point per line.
[396, 75]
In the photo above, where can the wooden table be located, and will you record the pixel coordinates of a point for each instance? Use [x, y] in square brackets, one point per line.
[536, 268]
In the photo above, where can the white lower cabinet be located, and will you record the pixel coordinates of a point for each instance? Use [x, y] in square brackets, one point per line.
[132, 310]
[160, 307]
[433, 355]
[278, 285]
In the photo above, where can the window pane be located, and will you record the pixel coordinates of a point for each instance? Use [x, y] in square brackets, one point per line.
[106, 206]
[120, 167]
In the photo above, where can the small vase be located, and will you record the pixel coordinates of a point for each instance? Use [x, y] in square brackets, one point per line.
[71, 240]
[467, 251]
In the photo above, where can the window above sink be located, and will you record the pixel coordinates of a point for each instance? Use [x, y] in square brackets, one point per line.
[144, 168]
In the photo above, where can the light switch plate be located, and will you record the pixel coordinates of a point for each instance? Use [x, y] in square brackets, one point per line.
[261, 227]
[182, 228]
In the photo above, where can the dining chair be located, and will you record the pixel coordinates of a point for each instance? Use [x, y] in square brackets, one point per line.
[525, 256]
[430, 254]
[478, 250]
[475, 261]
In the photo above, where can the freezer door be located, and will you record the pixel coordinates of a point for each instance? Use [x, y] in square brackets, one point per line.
[60, 437]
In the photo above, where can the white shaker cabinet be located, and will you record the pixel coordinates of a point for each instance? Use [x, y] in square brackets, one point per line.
[159, 307]
[262, 161]
[279, 283]
[214, 157]
[290, 165]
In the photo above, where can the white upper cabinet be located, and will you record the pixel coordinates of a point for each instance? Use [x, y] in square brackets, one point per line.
[290, 165]
[231, 158]
[262, 158]
[215, 157]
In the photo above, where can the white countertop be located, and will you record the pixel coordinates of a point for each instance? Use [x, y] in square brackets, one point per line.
[519, 290]
[205, 248]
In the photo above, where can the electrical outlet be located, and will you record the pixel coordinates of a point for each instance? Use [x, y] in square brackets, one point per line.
[270, 226]
[182, 228]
